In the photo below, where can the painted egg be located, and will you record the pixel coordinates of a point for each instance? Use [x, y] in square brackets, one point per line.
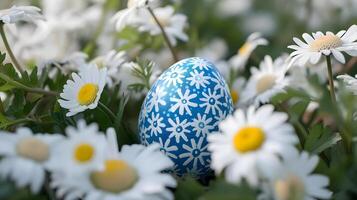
[185, 104]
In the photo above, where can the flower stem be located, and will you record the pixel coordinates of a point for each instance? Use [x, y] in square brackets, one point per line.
[107, 111]
[24, 87]
[330, 77]
[9, 51]
[164, 34]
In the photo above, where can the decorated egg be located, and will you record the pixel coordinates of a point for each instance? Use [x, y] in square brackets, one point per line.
[184, 105]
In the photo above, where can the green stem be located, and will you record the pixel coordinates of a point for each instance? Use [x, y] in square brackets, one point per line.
[107, 111]
[330, 77]
[9, 51]
[164, 34]
[24, 87]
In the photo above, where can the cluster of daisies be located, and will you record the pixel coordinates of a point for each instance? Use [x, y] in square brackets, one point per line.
[255, 144]
[85, 163]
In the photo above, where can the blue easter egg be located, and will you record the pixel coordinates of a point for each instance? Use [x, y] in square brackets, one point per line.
[184, 105]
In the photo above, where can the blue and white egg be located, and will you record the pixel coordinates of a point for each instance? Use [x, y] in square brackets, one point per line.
[185, 104]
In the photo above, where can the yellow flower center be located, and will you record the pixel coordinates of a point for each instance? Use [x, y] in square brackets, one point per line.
[87, 94]
[84, 152]
[265, 83]
[116, 177]
[325, 43]
[33, 148]
[291, 188]
[245, 49]
[235, 96]
[248, 139]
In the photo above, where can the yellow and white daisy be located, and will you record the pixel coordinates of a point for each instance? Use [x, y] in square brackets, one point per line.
[20, 13]
[83, 149]
[250, 139]
[83, 92]
[173, 24]
[254, 40]
[133, 173]
[292, 178]
[324, 44]
[24, 157]
[266, 81]
[237, 89]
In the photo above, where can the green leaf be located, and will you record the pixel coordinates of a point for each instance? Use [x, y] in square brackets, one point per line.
[188, 189]
[321, 138]
[223, 190]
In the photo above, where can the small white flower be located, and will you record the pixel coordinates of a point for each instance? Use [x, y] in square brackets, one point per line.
[211, 101]
[167, 149]
[178, 129]
[195, 153]
[324, 44]
[199, 63]
[84, 91]
[201, 125]
[133, 173]
[112, 61]
[20, 13]
[156, 99]
[250, 139]
[172, 23]
[183, 102]
[198, 79]
[174, 76]
[156, 124]
[128, 15]
[266, 81]
[351, 82]
[293, 179]
[240, 59]
[24, 157]
[81, 151]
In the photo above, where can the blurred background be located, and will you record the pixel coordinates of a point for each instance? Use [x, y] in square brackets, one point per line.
[216, 29]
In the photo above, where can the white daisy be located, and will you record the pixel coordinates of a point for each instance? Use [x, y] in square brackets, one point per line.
[183, 102]
[201, 125]
[293, 179]
[254, 40]
[156, 124]
[178, 129]
[172, 23]
[20, 13]
[266, 81]
[81, 151]
[24, 157]
[351, 82]
[112, 61]
[324, 44]
[237, 89]
[198, 79]
[210, 101]
[249, 140]
[195, 153]
[128, 15]
[83, 92]
[122, 176]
